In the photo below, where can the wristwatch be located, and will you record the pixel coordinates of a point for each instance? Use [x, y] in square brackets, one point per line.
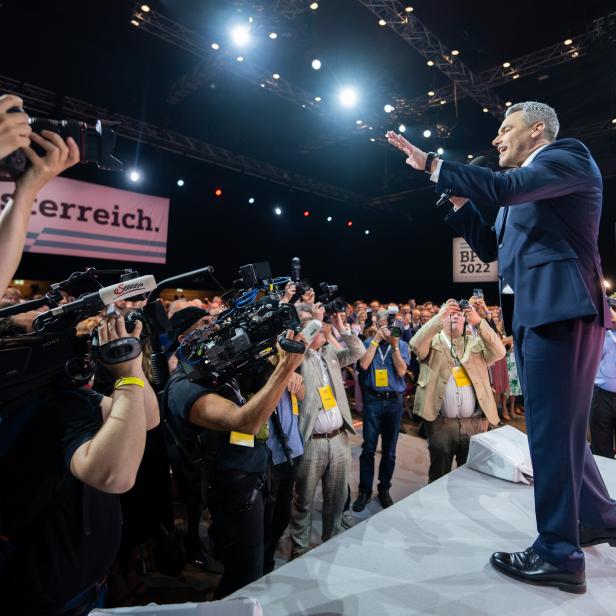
[429, 158]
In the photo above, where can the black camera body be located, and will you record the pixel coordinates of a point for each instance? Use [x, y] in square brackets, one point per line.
[464, 304]
[331, 303]
[241, 336]
[96, 143]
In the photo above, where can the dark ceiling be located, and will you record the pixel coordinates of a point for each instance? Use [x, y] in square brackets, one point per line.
[90, 51]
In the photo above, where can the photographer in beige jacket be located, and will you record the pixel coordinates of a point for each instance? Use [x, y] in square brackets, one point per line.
[454, 396]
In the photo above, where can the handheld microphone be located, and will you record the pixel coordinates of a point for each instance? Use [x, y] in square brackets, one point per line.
[480, 161]
[107, 295]
[295, 269]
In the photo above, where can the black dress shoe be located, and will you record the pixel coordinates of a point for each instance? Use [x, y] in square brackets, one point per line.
[385, 498]
[595, 536]
[362, 500]
[530, 568]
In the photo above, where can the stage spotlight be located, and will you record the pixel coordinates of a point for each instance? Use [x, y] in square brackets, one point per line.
[402, 128]
[408, 9]
[508, 104]
[372, 139]
[250, 20]
[443, 102]
[329, 219]
[278, 211]
[430, 63]
[613, 120]
[146, 9]
[388, 108]
[485, 110]
[349, 223]
[575, 54]
[134, 22]
[314, 6]
[455, 52]
[215, 46]
[470, 156]
[134, 175]
[359, 122]
[251, 200]
[568, 41]
[440, 151]
[240, 58]
[218, 192]
[316, 64]
[273, 35]
[240, 35]
[348, 97]
[180, 182]
[382, 22]
[306, 213]
[516, 76]
[506, 64]
[427, 133]
[276, 76]
[607, 284]
[430, 92]
[367, 232]
[318, 99]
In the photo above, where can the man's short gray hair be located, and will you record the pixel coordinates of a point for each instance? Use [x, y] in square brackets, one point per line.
[532, 112]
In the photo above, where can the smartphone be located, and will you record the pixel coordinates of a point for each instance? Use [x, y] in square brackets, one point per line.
[478, 292]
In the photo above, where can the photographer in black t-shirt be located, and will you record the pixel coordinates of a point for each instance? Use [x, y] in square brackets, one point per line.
[59, 478]
[234, 446]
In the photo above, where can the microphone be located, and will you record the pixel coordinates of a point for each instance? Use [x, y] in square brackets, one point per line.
[107, 295]
[480, 161]
[295, 269]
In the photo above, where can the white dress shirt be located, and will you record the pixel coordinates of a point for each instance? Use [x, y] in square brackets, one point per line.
[331, 420]
[459, 402]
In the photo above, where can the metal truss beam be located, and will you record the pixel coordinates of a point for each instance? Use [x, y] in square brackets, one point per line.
[290, 8]
[176, 34]
[46, 102]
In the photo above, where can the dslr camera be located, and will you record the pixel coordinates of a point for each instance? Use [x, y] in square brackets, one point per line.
[392, 314]
[330, 302]
[96, 143]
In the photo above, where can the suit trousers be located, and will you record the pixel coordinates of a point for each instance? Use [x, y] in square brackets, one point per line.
[327, 461]
[557, 364]
[603, 422]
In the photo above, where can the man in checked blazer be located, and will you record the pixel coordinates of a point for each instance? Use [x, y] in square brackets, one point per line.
[325, 423]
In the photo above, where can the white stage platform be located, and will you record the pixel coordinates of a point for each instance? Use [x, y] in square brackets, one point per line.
[428, 554]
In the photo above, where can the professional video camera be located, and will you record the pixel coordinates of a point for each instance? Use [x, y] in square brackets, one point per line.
[245, 333]
[53, 355]
[330, 303]
[95, 142]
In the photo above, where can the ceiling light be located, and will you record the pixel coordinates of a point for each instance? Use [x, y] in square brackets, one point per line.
[134, 175]
[180, 183]
[348, 97]
[146, 9]
[273, 35]
[506, 64]
[485, 110]
[408, 9]
[240, 58]
[568, 41]
[388, 108]
[613, 120]
[402, 128]
[469, 156]
[382, 22]
[455, 52]
[359, 122]
[135, 23]
[314, 6]
[575, 54]
[316, 64]
[250, 20]
[372, 139]
[306, 213]
[276, 76]
[508, 104]
[240, 35]
[277, 211]
[427, 133]
[516, 76]
[443, 101]
[251, 200]
[329, 219]
[440, 151]
[431, 92]
[367, 232]
[218, 192]
[318, 99]
[262, 85]
[430, 63]
[215, 46]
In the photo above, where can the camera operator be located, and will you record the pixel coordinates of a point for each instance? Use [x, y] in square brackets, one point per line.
[325, 423]
[232, 440]
[60, 516]
[385, 363]
[15, 133]
[454, 396]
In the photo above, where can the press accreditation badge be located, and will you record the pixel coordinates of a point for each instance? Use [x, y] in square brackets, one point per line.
[245, 440]
[294, 404]
[327, 397]
[459, 374]
[380, 377]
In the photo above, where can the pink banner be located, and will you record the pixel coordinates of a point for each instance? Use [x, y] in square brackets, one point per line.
[87, 220]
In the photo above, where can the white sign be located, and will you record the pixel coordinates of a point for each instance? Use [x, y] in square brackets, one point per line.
[468, 267]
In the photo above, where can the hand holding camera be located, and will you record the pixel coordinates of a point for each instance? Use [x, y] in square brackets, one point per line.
[114, 328]
[471, 315]
[450, 307]
[382, 333]
[289, 362]
[14, 127]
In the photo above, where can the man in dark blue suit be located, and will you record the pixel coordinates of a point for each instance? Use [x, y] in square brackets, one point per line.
[545, 239]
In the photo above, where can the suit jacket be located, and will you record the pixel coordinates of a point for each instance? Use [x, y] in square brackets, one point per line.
[436, 362]
[313, 379]
[545, 234]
